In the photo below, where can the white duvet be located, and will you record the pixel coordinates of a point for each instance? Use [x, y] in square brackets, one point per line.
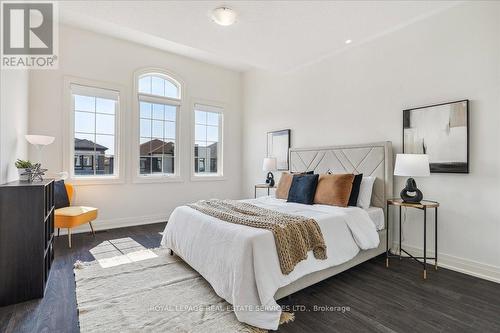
[241, 262]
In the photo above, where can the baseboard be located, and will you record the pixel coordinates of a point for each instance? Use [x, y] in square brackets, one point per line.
[466, 266]
[117, 223]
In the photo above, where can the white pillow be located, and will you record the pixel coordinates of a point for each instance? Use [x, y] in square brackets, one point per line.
[365, 192]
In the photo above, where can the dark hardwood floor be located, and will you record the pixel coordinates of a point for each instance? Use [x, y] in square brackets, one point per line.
[375, 299]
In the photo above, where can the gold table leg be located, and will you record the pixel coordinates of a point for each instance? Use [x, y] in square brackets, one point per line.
[69, 237]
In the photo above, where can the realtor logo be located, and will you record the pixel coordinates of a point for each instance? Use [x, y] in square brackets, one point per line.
[29, 35]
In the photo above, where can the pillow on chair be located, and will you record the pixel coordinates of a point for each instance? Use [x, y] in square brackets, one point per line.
[60, 195]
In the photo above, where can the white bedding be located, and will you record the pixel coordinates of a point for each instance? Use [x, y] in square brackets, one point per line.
[241, 262]
[376, 214]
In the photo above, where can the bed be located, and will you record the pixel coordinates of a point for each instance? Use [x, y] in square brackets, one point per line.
[241, 262]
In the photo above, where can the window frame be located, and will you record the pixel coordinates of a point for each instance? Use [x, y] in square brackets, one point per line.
[137, 177]
[69, 134]
[211, 106]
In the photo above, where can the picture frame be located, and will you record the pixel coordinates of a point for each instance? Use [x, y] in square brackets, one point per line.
[440, 131]
[278, 144]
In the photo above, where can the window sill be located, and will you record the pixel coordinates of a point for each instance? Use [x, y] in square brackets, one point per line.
[207, 178]
[157, 179]
[82, 181]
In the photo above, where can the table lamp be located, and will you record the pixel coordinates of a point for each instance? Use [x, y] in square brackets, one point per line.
[268, 166]
[412, 165]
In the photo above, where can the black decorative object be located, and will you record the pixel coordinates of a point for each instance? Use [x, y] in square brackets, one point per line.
[270, 179]
[440, 131]
[411, 187]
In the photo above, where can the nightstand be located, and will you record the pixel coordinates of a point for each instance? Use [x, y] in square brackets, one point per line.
[262, 186]
[423, 205]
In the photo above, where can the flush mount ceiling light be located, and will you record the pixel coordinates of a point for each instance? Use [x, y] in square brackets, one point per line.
[348, 41]
[224, 16]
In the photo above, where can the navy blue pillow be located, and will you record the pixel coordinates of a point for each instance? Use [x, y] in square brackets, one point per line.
[303, 189]
[60, 195]
[356, 183]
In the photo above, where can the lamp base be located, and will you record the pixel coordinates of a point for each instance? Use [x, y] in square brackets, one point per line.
[270, 179]
[411, 193]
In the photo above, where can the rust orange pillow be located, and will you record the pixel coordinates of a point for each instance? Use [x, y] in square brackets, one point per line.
[334, 190]
[284, 186]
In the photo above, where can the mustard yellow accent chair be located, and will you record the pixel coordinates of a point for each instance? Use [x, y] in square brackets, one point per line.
[73, 216]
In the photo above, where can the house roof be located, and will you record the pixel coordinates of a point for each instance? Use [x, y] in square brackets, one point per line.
[84, 144]
[157, 147]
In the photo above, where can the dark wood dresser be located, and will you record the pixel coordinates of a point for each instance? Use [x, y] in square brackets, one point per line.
[26, 239]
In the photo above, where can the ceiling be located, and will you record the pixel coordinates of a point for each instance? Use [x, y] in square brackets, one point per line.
[270, 35]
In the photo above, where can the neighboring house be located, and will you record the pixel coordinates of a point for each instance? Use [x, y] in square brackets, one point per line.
[157, 156]
[90, 155]
[205, 158]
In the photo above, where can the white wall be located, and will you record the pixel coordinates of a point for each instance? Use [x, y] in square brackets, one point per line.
[358, 96]
[97, 57]
[13, 121]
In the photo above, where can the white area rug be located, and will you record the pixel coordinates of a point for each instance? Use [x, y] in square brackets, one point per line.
[154, 293]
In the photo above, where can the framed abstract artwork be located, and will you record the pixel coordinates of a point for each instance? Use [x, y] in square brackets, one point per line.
[278, 143]
[440, 131]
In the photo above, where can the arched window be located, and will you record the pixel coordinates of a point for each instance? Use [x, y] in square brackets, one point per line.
[159, 100]
[159, 85]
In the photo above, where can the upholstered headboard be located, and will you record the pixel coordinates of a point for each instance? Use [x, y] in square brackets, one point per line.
[371, 159]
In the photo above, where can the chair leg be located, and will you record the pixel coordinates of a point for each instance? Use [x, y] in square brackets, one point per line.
[69, 237]
[58, 230]
[92, 228]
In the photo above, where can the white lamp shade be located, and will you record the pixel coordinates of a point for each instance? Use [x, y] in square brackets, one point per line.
[42, 140]
[269, 164]
[412, 165]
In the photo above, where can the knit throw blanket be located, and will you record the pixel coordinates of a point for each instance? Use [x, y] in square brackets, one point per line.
[294, 235]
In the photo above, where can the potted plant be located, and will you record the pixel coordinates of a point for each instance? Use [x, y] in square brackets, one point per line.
[21, 166]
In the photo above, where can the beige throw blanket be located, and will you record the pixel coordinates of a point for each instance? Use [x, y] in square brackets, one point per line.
[294, 235]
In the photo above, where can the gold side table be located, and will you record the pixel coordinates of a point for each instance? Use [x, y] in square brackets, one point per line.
[423, 205]
[262, 186]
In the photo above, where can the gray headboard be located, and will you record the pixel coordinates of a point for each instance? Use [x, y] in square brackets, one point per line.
[371, 159]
